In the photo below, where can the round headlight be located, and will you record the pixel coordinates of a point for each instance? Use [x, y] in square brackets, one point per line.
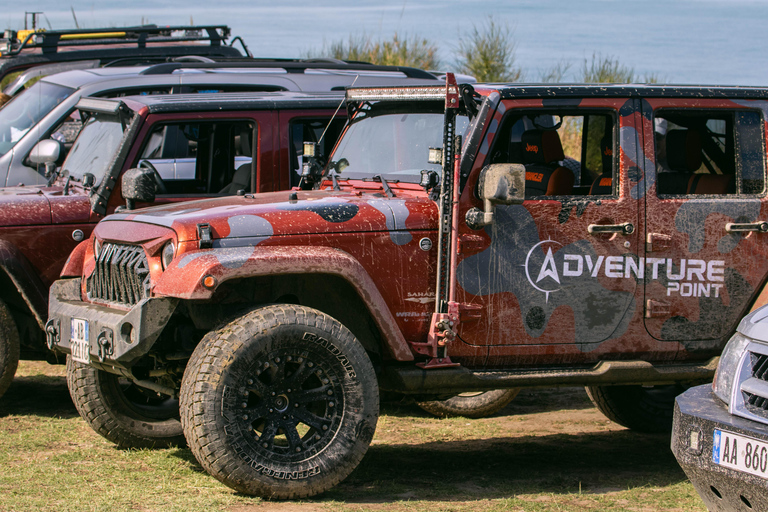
[168, 253]
[96, 247]
[728, 367]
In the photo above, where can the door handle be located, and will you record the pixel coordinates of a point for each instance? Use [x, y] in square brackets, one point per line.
[760, 226]
[625, 229]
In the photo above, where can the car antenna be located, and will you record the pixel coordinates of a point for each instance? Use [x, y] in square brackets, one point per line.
[337, 111]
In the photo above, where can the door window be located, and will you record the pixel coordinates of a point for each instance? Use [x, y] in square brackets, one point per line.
[201, 157]
[564, 153]
[709, 153]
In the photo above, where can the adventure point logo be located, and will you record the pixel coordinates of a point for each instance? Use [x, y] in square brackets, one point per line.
[684, 277]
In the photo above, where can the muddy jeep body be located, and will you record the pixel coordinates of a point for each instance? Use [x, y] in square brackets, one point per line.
[616, 270]
[41, 225]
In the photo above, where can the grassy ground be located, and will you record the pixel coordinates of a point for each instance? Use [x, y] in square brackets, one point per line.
[548, 450]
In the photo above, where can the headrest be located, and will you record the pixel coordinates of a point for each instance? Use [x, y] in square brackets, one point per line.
[541, 147]
[245, 142]
[683, 150]
[606, 153]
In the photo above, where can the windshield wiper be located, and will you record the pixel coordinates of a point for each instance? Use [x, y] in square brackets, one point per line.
[384, 185]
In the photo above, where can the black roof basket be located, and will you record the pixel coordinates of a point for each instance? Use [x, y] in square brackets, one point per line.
[289, 65]
[50, 40]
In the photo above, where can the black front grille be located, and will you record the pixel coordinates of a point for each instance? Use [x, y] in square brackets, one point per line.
[121, 275]
[759, 366]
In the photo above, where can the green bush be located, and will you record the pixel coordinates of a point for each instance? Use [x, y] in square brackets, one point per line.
[409, 51]
[488, 53]
[609, 70]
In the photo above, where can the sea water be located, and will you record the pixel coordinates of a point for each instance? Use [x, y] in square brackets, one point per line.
[676, 41]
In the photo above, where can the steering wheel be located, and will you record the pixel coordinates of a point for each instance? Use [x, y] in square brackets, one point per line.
[159, 185]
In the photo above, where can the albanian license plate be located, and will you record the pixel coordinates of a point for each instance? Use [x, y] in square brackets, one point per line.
[78, 341]
[740, 453]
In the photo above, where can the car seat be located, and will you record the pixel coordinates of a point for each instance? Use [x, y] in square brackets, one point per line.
[544, 176]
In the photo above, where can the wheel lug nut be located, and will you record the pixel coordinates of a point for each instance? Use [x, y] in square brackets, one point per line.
[330, 392]
[285, 417]
[266, 365]
[250, 382]
[298, 449]
[271, 410]
[330, 404]
[245, 416]
[326, 381]
[310, 364]
[317, 438]
[273, 393]
[265, 445]
[277, 359]
[289, 358]
[325, 427]
[299, 359]
[289, 390]
[244, 405]
[296, 405]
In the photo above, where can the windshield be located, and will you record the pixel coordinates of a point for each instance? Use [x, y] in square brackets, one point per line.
[395, 146]
[95, 148]
[26, 109]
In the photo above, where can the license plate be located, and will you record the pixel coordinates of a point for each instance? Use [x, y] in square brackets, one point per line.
[78, 341]
[741, 453]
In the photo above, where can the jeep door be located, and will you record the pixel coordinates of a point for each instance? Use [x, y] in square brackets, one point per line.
[203, 154]
[705, 210]
[556, 276]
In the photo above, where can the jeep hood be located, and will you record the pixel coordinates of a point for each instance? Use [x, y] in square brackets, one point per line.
[22, 206]
[239, 220]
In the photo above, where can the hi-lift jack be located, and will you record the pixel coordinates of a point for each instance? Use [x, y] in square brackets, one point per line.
[448, 313]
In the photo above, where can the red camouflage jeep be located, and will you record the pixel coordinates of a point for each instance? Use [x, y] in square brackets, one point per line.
[573, 235]
[197, 145]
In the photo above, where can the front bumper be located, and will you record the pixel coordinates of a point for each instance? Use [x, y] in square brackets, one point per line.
[698, 413]
[117, 337]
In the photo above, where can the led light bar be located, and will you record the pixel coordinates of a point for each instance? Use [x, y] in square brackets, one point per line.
[100, 105]
[396, 93]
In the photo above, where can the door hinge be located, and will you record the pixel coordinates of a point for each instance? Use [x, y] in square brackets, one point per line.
[657, 242]
[655, 308]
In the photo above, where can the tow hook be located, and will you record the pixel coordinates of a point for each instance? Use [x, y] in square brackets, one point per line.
[52, 332]
[104, 344]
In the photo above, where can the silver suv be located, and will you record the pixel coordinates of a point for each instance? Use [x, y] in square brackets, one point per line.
[47, 108]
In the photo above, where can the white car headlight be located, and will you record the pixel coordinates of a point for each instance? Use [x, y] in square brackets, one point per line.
[169, 251]
[729, 366]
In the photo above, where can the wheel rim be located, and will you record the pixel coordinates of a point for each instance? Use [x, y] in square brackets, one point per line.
[290, 404]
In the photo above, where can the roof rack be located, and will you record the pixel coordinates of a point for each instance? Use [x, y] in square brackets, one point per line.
[289, 65]
[50, 40]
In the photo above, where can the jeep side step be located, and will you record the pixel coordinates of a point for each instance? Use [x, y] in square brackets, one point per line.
[413, 380]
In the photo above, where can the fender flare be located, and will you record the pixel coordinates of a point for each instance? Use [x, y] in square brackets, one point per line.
[26, 280]
[183, 278]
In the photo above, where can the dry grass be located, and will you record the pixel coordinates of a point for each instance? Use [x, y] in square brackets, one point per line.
[548, 450]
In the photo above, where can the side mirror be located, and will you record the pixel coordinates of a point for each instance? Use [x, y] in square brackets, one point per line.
[497, 184]
[138, 185]
[46, 151]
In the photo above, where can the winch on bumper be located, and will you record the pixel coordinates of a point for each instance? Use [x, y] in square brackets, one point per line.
[724, 456]
[95, 333]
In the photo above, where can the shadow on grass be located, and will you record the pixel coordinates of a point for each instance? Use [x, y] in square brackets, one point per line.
[467, 470]
[528, 401]
[39, 395]
[499, 468]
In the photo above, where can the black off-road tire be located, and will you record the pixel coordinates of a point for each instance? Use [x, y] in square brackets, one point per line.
[129, 416]
[471, 405]
[9, 348]
[641, 408]
[281, 403]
